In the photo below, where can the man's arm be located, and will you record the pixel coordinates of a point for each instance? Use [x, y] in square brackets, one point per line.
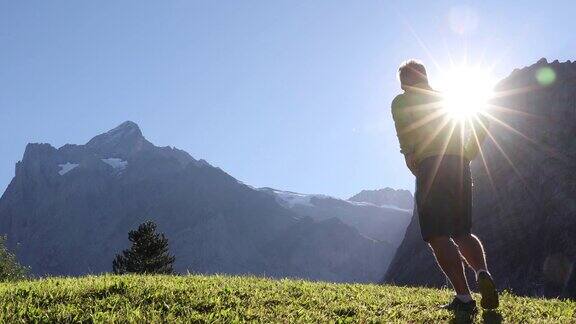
[402, 120]
[479, 128]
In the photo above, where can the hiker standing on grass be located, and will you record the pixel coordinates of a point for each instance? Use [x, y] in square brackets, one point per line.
[439, 155]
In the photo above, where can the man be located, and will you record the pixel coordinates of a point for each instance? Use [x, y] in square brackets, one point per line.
[438, 149]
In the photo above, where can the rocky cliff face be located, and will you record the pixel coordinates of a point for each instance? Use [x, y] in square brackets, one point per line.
[524, 193]
[67, 211]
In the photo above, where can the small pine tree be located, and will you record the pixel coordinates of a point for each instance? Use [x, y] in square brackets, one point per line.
[148, 254]
[10, 269]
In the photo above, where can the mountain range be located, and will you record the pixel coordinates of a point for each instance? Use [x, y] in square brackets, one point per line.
[68, 210]
[373, 218]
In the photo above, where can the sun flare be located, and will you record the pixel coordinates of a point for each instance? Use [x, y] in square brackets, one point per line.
[466, 91]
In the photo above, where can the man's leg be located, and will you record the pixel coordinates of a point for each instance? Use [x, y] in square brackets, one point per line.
[471, 249]
[449, 261]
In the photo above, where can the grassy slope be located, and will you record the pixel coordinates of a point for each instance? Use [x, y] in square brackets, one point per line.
[225, 298]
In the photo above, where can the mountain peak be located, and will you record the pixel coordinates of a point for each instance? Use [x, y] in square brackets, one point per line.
[386, 196]
[127, 127]
[120, 140]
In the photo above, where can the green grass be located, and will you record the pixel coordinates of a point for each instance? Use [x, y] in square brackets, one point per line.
[139, 299]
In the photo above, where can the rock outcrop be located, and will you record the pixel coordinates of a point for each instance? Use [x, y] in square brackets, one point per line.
[524, 193]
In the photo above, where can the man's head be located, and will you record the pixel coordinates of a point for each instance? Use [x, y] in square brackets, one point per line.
[411, 73]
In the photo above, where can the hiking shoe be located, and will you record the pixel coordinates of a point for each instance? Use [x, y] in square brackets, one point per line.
[459, 306]
[487, 290]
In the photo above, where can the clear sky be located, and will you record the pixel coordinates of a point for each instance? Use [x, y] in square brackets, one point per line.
[288, 94]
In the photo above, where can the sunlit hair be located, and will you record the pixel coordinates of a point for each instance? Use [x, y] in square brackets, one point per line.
[412, 72]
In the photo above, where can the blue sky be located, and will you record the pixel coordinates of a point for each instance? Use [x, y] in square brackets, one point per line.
[288, 94]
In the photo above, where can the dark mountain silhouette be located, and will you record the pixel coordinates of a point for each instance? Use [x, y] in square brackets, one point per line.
[67, 211]
[525, 200]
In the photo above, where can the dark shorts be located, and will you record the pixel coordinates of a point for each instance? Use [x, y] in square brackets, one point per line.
[444, 196]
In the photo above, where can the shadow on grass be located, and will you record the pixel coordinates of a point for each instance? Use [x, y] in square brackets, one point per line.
[462, 318]
[492, 316]
[488, 317]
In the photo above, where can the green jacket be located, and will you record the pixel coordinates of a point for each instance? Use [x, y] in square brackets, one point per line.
[425, 129]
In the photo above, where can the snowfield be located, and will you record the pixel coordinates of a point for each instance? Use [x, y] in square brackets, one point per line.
[116, 163]
[67, 167]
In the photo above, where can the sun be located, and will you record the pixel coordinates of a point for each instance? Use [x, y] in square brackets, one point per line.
[466, 91]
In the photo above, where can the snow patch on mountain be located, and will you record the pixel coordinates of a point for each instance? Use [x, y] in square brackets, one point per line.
[361, 203]
[67, 167]
[291, 199]
[116, 163]
[397, 208]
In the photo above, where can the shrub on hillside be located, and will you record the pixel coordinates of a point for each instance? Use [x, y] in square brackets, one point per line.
[10, 269]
